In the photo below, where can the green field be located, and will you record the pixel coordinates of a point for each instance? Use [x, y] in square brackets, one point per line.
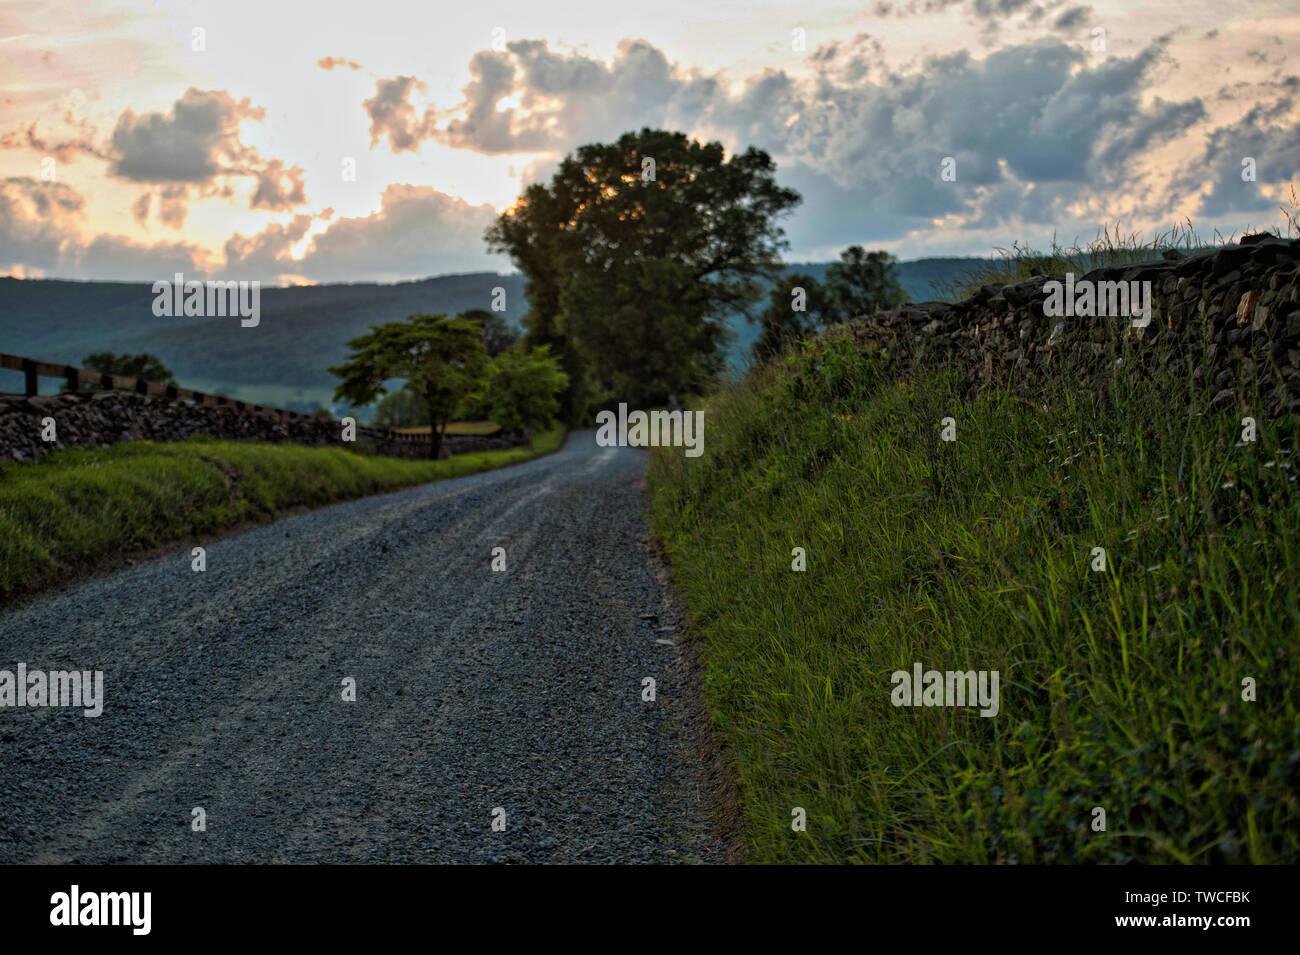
[72, 509]
[456, 427]
[1120, 689]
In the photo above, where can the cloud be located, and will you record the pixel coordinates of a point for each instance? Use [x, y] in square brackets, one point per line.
[566, 99]
[172, 205]
[37, 220]
[194, 150]
[1072, 18]
[64, 150]
[266, 255]
[118, 258]
[1031, 126]
[417, 231]
[329, 62]
[194, 143]
[1269, 135]
[563, 99]
[392, 115]
[40, 226]
[995, 9]
[278, 188]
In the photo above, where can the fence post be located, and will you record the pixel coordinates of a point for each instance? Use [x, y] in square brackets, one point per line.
[74, 378]
[32, 385]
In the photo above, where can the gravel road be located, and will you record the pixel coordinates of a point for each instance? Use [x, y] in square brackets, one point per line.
[475, 689]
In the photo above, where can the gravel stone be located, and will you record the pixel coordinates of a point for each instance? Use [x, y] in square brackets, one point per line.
[475, 689]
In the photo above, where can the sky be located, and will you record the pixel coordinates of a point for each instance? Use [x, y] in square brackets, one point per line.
[296, 143]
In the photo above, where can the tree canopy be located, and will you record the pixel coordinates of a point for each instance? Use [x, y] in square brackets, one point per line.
[523, 388]
[497, 335]
[861, 283]
[442, 359]
[144, 365]
[634, 254]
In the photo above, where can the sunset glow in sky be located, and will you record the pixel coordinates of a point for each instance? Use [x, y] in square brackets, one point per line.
[139, 139]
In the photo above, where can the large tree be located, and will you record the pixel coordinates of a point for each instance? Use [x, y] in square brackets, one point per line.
[633, 273]
[441, 358]
[533, 233]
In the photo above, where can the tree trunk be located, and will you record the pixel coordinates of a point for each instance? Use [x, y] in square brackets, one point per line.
[435, 441]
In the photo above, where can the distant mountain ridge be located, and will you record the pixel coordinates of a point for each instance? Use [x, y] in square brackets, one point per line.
[917, 276]
[303, 329]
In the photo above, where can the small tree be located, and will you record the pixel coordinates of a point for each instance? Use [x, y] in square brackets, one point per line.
[782, 324]
[524, 388]
[860, 283]
[498, 336]
[863, 283]
[441, 358]
[400, 409]
[144, 365]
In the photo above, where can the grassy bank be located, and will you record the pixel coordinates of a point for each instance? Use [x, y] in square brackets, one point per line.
[75, 508]
[1120, 689]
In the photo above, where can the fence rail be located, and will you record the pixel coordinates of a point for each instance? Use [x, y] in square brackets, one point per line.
[76, 377]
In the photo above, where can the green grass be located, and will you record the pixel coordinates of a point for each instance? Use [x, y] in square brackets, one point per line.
[76, 507]
[1120, 689]
[1111, 247]
[456, 427]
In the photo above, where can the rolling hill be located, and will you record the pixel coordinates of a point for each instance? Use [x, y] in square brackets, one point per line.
[282, 361]
[303, 329]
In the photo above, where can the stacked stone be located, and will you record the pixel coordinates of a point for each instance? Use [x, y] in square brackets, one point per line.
[97, 419]
[1231, 315]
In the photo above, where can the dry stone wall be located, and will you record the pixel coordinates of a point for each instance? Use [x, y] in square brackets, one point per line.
[96, 419]
[1231, 316]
